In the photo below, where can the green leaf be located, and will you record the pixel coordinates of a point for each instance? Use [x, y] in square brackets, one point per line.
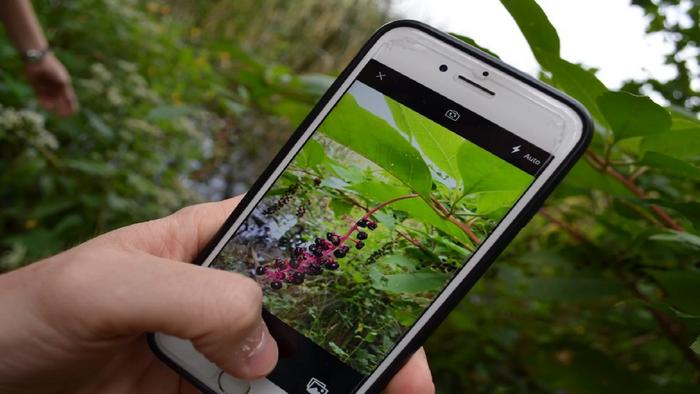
[373, 138]
[670, 165]
[417, 208]
[691, 210]
[494, 202]
[682, 289]
[340, 206]
[311, 155]
[482, 171]
[680, 144]
[397, 260]
[578, 83]
[584, 177]
[696, 345]
[474, 44]
[679, 237]
[631, 116]
[411, 283]
[535, 26]
[571, 288]
[437, 143]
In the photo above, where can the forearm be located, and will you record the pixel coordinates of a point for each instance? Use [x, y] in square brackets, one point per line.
[22, 25]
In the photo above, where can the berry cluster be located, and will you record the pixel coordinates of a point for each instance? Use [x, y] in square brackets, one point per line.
[282, 201]
[320, 255]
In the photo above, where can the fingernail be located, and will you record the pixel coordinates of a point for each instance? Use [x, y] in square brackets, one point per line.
[258, 353]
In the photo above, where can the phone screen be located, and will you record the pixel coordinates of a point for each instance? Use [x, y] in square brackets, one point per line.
[384, 203]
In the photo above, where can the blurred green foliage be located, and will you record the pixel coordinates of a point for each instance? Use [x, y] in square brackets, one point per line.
[598, 294]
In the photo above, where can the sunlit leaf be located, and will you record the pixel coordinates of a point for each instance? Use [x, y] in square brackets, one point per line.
[373, 138]
[439, 144]
[481, 171]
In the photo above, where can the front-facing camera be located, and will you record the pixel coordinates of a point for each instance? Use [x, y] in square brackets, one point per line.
[443, 67]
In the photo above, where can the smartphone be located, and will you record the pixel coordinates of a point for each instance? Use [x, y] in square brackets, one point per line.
[408, 178]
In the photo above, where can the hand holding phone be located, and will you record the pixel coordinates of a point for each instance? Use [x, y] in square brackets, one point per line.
[409, 177]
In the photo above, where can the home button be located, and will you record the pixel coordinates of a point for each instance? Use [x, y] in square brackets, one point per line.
[230, 385]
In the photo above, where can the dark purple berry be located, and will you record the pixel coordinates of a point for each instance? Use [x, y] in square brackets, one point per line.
[333, 238]
[298, 252]
[359, 244]
[372, 225]
[276, 285]
[317, 181]
[294, 263]
[362, 223]
[313, 269]
[298, 278]
[341, 251]
[260, 270]
[332, 265]
[361, 235]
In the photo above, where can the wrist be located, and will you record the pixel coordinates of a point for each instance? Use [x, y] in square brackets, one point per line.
[33, 56]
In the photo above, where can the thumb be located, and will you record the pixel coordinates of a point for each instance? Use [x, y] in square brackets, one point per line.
[218, 311]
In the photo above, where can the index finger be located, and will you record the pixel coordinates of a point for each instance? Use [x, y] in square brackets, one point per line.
[180, 236]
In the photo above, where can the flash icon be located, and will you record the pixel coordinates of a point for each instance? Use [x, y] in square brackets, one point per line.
[516, 149]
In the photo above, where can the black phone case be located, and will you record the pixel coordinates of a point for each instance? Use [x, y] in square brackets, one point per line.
[510, 232]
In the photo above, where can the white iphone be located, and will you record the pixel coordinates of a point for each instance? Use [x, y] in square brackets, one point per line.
[409, 177]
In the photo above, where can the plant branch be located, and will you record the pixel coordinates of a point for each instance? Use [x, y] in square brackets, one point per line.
[599, 163]
[437, 205]
[571, 230]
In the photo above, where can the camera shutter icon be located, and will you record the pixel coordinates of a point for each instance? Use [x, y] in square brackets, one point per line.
[452, 115]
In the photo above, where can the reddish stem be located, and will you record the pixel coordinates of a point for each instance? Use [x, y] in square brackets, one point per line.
[636, 190]
[371, 212]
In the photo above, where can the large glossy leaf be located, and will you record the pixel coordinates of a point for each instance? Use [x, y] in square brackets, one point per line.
[439, 144]
[682, 289]
[417, 208]
[670, 165]
[535, 26]
[372, 137]
[578, 83]
[482, 171]
[632, 116]
[681, 144]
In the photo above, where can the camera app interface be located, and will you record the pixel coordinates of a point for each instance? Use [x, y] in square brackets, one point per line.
[386, 201]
